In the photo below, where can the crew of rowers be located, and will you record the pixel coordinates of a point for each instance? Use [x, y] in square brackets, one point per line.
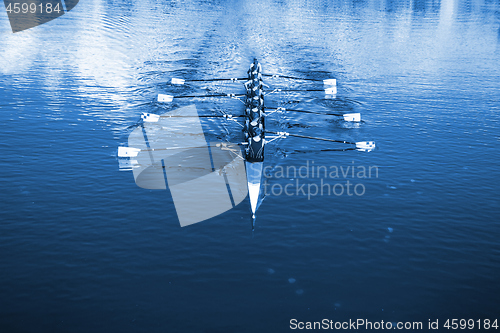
[255, 93]
[254, 129]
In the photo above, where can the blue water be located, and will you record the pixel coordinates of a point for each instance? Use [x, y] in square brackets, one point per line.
[83, 249]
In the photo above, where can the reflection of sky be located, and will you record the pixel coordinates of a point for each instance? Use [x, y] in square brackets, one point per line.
[108, 50]
[99, 45]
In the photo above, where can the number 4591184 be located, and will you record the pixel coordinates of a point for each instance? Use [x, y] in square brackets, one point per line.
[32, 8]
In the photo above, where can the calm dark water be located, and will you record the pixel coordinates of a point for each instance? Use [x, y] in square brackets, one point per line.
[83, 249]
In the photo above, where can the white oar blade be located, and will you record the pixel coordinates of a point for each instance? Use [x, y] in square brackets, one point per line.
[165, 98]
[330, 82]
[331, 91]
[150, 117]
[128, 165]
[365, 145]
[128, 152]
[352, 117]
[178, 81]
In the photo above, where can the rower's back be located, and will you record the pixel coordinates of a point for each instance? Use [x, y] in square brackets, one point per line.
[255, 124]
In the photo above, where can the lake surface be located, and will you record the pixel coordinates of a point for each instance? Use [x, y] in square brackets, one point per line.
[84, 249]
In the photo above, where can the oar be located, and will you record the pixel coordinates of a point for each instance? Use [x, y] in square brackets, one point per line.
[153, 118]
[327, 82]
[170, 98]
[133, 152]
[182, 81]
[362, 145]
[328, 91]
[321, 150]
[347, 116]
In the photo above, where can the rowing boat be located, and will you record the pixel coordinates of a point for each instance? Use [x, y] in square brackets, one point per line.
[254, 131]
[256, 137]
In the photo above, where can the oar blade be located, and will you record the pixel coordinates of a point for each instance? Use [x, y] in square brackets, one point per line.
[330, 86]
[178, 81]
[150, 117]
[356, 117]
[331, 91]
[365, 145]
[330, 82]
[128, 165]
[165, 98]
[128, 152]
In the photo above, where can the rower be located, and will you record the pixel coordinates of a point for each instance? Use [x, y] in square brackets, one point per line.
[258, 69]
[259, 97]
[255, 122]
[257, 131]
[255, 113]
[251, 67]
[255, 67]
